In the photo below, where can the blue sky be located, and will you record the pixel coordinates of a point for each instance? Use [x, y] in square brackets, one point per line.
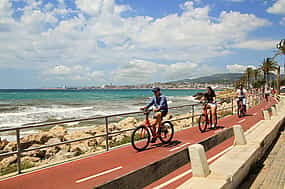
[49, 43]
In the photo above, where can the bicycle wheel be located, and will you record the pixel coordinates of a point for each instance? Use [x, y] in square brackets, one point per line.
[203, 123]
[166, 132]
[239, 110]
[140, 138]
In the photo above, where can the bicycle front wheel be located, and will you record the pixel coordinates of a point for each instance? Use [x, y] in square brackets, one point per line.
[239, 110]
[166, 132]
[203, 123]
[140, 138]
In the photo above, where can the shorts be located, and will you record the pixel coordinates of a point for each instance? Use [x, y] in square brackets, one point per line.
[243, 100]
[163, 113]
[212, 105]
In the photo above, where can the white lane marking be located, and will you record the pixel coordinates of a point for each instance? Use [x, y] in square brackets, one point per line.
[173, 179]
[99, 174]
[178, 147]
[241, 121]
[190, 170]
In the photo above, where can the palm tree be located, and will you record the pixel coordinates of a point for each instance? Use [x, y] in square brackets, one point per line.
[267, 67]
[256, 73]
[248, 75]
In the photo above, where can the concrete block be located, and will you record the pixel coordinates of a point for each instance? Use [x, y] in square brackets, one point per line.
[239, 135]
[198, 160]
[274, 111]
[199, 183]
[235, 164]
[277, 108]
[266, 114]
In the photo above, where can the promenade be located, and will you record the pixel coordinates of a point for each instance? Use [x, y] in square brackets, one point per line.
[95, 170]
[271, 172]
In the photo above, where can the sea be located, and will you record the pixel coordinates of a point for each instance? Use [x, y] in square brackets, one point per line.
[20, 107]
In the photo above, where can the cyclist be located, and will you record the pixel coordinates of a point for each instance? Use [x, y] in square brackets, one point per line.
[267, 93]
[210, 97]
[241, 94]
[159, 101]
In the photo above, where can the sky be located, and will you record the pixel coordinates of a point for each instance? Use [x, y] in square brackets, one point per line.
[49, 43]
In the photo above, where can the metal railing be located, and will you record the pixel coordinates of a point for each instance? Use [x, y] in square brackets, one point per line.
[107, 133]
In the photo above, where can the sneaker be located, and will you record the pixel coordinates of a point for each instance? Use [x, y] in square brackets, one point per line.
[153, 140]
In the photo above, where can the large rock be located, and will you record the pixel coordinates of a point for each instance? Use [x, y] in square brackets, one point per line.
[8, 161]
[11, 146]
[78, 135]
[50, 152]
[91, 132]
[65, 147]
[129, 122]
[53, 141]
[40, 138]
[30, 159]
[35, 153]
[79, 148]
[168, 116]
[3, 143]
[58, 131]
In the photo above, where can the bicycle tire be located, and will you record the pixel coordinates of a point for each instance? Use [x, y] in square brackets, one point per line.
[203, 123]
[136, 141]
[239, 110]
[169, 126]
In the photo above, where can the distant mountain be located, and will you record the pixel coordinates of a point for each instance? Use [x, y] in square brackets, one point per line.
[216, 78]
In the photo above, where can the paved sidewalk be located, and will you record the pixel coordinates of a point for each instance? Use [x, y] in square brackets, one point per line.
[272, 174]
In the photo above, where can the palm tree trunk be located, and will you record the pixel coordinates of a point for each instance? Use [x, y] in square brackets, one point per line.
[278, 80]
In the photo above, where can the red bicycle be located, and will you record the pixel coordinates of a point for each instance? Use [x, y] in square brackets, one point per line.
[205, 119]
[142, 135]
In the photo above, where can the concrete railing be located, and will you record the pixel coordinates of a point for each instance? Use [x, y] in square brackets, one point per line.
[229, 170]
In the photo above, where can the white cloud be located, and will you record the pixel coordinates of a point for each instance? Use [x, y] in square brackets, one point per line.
[277, 8]
[237, 68]
[141, 71]
[75, 72]
[44, 38]
[91, 7]
[257, 44]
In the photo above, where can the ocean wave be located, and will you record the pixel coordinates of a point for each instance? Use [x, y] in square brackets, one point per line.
[35, 114]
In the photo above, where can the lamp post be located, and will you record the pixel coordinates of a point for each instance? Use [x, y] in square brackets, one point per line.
[281, 47]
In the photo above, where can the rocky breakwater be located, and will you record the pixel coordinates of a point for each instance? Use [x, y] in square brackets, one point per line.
[59, 134]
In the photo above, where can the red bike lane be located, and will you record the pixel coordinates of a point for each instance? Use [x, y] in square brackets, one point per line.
[95, 170]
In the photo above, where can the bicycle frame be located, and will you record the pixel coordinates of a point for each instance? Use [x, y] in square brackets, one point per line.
[240, 105]
[205, 111]
[154, 132]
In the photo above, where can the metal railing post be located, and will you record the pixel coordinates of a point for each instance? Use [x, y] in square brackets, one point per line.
[193, 116]
[232, 106]
[19, 149]
[107, 133]
[248, 103]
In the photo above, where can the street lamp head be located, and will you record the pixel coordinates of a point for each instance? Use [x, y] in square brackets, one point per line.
[281, 45]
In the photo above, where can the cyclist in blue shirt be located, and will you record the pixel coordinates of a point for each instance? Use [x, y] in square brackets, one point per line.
[159, 101]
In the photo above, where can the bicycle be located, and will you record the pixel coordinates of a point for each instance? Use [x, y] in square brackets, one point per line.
[142, 135]
[241, 109]
[205, 119]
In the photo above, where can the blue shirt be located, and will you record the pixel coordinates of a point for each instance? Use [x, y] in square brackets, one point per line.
[159, 102]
